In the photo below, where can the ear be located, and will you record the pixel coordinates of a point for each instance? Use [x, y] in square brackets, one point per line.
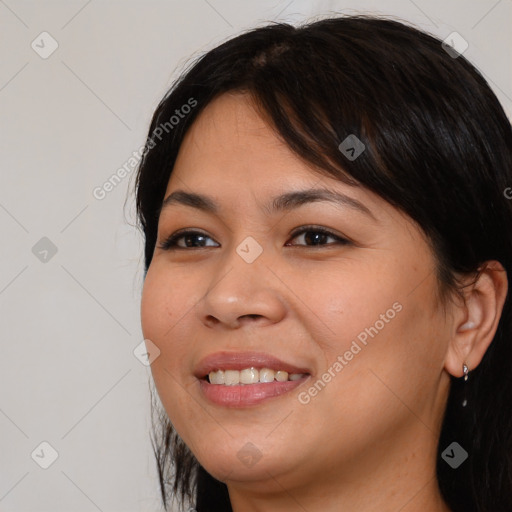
[476, 320]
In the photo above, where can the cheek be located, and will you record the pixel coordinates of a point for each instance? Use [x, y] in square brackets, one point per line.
[163, 304]
[167, 307]
[162, 307]
[390, 340]
[375, 386]
[341, 304]
[164, 301]
[155, 311]
[402, 358]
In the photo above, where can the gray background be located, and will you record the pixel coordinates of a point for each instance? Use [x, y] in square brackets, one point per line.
[70, 320]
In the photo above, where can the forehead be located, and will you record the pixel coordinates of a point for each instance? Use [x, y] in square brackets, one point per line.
[231, 136]
[232, 153]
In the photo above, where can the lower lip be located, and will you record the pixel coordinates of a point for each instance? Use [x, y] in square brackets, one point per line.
[248, 394]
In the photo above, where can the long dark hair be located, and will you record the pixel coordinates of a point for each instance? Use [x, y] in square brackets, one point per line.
[438, 147]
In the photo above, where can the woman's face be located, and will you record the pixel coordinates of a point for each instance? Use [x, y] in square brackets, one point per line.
[352, 314]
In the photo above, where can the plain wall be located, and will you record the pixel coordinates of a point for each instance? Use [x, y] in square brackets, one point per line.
[70, 320]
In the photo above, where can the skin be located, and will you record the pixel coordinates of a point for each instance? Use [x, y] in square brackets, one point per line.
[367, 441]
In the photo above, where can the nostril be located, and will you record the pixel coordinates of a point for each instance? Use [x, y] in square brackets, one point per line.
[211, 320]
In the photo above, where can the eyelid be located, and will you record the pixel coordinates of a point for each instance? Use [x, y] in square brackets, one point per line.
[320, 229]
[173, 237]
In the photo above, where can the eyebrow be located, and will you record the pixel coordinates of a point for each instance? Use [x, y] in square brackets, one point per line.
[282, 203]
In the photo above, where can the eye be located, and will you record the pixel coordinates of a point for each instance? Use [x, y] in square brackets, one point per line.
[317, 235]
[188, 239]
[191, 239]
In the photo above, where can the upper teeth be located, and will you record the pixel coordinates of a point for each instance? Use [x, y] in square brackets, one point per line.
[250, 376]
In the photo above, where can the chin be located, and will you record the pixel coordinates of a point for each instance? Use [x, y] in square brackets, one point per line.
[244, 461]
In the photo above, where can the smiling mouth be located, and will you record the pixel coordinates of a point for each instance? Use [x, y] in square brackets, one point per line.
[245, 379]
[252, 375]
[248, 387]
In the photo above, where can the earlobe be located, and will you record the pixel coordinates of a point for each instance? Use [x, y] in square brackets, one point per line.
[476, 319]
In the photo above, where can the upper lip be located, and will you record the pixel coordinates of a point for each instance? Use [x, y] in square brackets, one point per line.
[242, 360]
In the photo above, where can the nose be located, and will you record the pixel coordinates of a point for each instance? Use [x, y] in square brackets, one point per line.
[242, 293]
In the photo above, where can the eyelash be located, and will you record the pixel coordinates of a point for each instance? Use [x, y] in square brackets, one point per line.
[170, 243]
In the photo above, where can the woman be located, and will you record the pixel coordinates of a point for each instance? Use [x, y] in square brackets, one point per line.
[327, 243]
